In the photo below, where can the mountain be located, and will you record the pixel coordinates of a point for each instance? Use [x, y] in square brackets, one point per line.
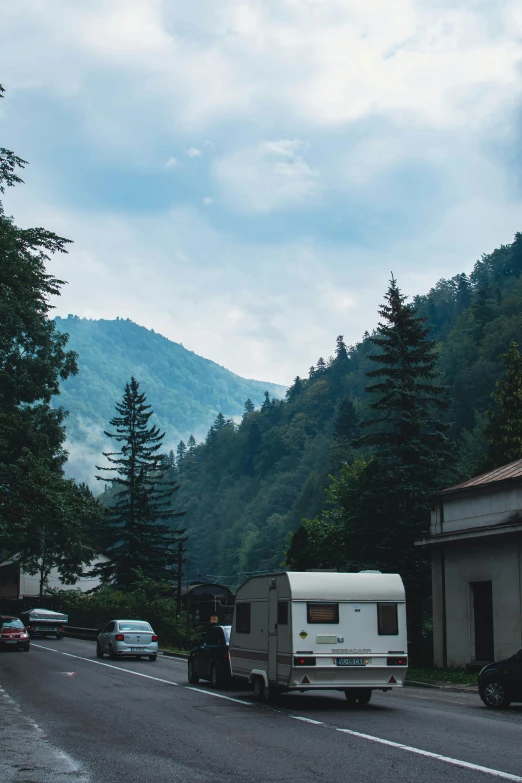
[247, 488]
[185, 390]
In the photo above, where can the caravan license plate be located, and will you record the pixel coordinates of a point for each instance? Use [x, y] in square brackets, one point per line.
[351, 661]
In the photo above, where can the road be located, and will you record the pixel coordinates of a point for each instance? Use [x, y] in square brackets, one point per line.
[140, 722]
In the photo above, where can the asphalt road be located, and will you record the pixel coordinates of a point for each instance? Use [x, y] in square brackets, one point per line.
[140, 722]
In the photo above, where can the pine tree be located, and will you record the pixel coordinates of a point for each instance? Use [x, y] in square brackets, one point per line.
[191, 443]
[267, 405]
[135, 536]
[504, 428]
[312, 371]
[341, 352]
[346, 424]
[249, 408]
[321, 365]
[181, 452]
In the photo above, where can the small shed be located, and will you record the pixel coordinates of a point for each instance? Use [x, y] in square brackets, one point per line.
[208, 603]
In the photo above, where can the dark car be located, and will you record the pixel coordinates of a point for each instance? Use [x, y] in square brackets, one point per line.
[500, 683]
[13, 634]
[210, 660]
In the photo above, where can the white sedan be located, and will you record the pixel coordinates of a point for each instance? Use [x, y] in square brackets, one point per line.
[127, 638]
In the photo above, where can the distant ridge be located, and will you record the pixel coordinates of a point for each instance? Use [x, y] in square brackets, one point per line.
[186, 391]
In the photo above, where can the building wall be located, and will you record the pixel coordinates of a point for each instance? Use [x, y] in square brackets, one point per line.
[461, 512]
[488, 560]
[16, 584]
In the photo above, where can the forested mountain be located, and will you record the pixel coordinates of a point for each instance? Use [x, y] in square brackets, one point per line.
[248, 486]
[185, 390]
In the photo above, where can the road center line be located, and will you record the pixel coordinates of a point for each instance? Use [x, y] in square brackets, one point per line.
[370, 737]
[140, 674]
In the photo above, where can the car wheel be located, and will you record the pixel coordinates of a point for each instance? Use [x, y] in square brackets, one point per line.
[152, 657]
[350, 695]
[261, 691]
[495, 696]
[99, 651]
[193, 678]
[364, 696]
[215, 678]
[59, 635]
[112, 654]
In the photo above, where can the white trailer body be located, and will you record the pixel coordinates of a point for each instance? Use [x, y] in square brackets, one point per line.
[316, 631]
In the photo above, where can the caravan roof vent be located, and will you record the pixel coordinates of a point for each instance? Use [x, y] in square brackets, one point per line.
[370, 572]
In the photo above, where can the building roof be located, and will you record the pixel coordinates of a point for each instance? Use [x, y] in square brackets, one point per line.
[506, 473]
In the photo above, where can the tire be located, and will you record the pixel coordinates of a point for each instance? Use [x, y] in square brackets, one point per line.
[495, 696]
[112, 654]
[99, 651]
[193, 678]
[152, 657]
[59, 635]
[216, 679]
[350, 695]
[261, 692]
[364, 696]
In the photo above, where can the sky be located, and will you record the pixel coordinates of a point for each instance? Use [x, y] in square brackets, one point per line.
[243, 177]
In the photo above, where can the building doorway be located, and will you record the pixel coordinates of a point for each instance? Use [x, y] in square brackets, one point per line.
[482, 593]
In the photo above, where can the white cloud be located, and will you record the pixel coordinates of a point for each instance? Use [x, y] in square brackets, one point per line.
[194, 152]
[271, 176]
[208, 201]
[172, 163]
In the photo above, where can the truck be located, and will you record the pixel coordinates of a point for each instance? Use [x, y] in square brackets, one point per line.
[44, 622]
[309, 631]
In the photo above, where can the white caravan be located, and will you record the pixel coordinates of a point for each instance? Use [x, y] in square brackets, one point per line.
[302, 631]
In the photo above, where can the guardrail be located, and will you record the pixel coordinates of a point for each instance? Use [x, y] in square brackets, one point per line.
[81, 633]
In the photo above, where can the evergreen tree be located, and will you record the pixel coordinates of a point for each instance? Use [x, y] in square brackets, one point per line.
[181, 452]
[341, 352]
[504, 428]
[191, 444]
[321, 365]
[295, 389]
[135, 537]
[266, 406]
[248, 408]
[346, 425]
[312, 371]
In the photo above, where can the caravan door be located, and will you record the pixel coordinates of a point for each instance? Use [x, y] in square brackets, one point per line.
[272, 634]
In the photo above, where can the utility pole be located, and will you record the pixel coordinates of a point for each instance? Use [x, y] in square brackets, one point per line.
[180, 577]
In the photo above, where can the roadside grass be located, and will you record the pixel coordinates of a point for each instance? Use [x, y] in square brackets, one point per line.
[167, 648]
[441, 676]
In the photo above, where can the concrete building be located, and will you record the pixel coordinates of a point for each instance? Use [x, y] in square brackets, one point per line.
[476, 548]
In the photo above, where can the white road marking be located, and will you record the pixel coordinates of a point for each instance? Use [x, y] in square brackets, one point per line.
[370, 737]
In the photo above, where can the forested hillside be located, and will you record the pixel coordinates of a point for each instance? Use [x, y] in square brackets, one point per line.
[185, 390]
[248, 486]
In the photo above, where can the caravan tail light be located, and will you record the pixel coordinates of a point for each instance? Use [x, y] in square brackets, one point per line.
[305, 661]
[397, 661]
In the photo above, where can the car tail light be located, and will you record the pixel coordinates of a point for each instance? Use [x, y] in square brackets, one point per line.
[304, 661]
[226, 656]
[397, 661]
[154, 638]
[60, 629]
[119, 637]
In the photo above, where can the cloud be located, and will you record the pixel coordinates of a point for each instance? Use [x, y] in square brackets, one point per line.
[208, 201]
[172, 163]
[270, 176]
[194, 152]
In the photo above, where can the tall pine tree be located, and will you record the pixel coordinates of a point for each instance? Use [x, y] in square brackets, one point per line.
[136, 536]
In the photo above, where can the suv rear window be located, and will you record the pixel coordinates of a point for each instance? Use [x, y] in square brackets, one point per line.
[322, 613]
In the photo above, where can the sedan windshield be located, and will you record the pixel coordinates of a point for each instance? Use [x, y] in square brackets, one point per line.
[11, 624]
[134, 627]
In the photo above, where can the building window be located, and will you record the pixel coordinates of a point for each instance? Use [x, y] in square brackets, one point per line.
[323, 613]
[243, 618]
[387, 620]
[282, 613]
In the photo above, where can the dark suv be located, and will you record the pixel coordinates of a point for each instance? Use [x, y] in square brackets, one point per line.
[500, 683]
[210, 660]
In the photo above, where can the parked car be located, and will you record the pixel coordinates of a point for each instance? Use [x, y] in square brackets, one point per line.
[134, 638]
[210, 660]
[13, 634]
[500, 682]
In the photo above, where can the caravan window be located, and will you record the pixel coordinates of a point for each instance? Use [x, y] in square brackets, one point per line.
[243, 618]
[387, 620]
[282, 613]
[323, 613]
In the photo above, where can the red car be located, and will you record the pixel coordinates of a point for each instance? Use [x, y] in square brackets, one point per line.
[13, 634]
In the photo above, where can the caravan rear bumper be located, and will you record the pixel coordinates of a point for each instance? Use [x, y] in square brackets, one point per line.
[315, 678]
